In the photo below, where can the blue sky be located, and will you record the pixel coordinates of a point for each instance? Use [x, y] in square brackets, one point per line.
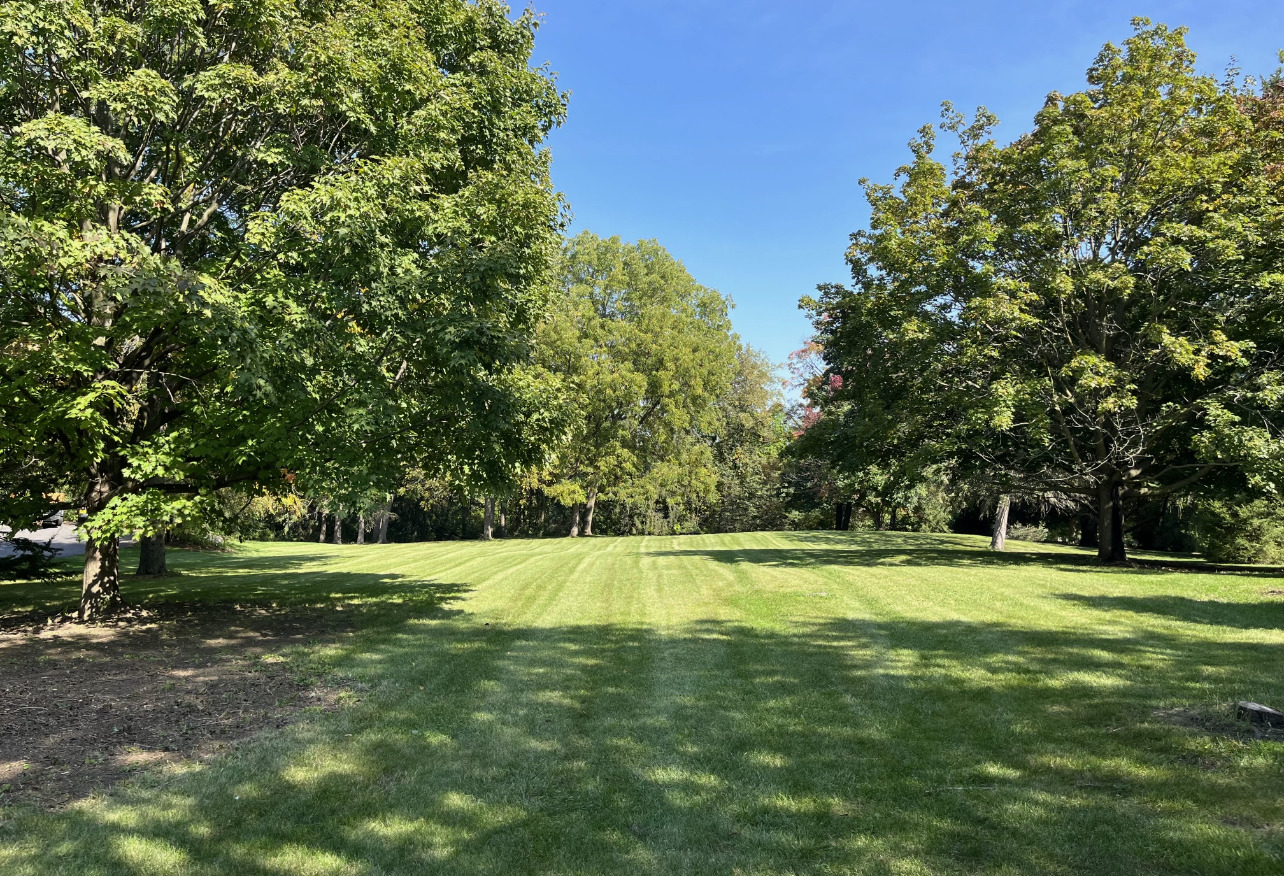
[736, 133]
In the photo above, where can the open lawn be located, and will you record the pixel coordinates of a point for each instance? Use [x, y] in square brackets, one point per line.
[742, 704]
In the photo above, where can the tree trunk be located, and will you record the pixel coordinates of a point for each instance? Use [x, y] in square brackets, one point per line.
[151, 554]
[895, 513]
[1087, 531]
[1118, 551]
[503, 521]
[877, 511]
[589, 508]
[1110, 544]
[100, 586]
[100, 590]
[338, 526]
[488, 518]
[384, 513]
[321, 518]
[575, 521]
[361, 527]
[848, 507]
[838, 517]
[999, 540]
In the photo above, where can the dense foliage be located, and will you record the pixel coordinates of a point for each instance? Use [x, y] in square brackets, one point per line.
[241, 237]
[1089, 312]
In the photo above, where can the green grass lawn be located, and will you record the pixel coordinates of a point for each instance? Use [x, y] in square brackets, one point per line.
[742, 704]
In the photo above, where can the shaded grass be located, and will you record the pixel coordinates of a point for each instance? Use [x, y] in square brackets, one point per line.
[753, 704]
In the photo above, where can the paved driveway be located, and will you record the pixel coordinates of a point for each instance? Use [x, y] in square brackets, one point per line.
[62, 537]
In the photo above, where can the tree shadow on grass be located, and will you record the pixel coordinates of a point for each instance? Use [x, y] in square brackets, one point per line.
[1264, 615]
[932, 549]
[230, 579]
[884, 551]
[847, 746]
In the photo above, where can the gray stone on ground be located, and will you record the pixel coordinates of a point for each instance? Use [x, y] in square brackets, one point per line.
[1259, 714]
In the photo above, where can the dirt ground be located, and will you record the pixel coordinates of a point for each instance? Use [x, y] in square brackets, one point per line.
[83, 706]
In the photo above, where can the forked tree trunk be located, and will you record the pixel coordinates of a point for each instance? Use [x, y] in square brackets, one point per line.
[151, 554]
[575, 521]
[999, 539]
[589, 507]
[488, 518]
[361, 528]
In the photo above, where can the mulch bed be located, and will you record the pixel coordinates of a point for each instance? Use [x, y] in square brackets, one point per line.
[84, 705]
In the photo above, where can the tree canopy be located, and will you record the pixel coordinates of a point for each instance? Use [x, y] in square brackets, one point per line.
[1090, 310]
[240, 237]
[646, 353]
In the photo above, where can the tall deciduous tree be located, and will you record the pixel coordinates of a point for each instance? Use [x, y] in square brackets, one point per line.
[1082, 311]
[241, 237]
[645, 353]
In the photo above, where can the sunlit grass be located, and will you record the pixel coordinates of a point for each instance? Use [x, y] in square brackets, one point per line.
[748, 704]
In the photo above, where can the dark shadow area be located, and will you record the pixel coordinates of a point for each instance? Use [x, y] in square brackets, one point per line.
[1265, 615]
[846, 746]
[913, 552]
[933, 549]
[83, 705]
[227, 578]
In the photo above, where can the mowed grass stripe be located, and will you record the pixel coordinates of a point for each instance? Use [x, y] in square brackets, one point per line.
[777, 703]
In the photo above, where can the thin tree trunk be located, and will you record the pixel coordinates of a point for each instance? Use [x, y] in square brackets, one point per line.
[338, 526]
[838, 517]
[151, 554]
[503, 521]
[589, 507]
[361, 527]
[488, 518]
[999, 540]
[848, 507]
[895, 513]
[575, 521]
[1118, 551]
[321, 518]
[384, 513]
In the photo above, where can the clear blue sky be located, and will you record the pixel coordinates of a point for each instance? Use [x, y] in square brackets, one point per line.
[735, 133]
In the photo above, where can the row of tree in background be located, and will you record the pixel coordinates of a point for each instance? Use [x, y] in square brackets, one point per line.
[280, 274]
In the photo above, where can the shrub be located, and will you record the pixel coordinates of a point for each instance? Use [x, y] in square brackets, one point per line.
[1249, 532]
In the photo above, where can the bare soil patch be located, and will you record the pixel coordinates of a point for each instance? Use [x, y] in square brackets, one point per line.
[82, 706]
[1216, 720]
